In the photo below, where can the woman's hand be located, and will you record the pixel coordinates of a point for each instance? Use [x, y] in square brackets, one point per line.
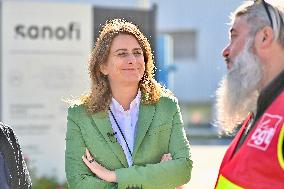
[97, 169]
[168, 157]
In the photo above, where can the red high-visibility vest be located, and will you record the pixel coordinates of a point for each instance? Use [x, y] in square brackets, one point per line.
[258, 164]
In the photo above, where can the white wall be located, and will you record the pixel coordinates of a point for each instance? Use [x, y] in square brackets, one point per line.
[39, 67]
[196, 80]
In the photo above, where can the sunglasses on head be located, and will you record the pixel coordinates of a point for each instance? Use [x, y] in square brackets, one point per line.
[266, 9]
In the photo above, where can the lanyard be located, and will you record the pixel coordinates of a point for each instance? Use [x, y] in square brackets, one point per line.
[120, 131]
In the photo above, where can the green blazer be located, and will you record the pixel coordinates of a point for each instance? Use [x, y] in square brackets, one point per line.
[159, 131]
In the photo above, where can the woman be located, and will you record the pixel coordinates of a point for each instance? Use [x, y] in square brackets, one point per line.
[127, 132]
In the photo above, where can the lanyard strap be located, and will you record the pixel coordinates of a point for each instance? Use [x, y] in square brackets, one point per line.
[120, 131]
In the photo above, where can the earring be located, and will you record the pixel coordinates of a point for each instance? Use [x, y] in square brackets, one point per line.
[104, 77]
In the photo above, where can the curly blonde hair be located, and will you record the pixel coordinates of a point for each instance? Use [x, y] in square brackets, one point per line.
[99, 98]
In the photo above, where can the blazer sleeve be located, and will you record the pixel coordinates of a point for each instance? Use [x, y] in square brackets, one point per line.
[77, 173]
[169, 174]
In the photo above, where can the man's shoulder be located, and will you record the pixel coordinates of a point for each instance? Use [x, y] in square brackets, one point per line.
[5, 128]
[7, 135]
[2, 125]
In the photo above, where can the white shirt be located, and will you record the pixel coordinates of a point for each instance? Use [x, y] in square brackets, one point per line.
[127, 121]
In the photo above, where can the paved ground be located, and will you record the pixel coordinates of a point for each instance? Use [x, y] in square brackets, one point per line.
[206, 159]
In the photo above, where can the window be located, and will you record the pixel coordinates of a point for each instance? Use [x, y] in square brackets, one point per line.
[184, 44]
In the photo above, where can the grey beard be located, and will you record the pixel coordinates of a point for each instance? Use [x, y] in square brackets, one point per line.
[238, 91]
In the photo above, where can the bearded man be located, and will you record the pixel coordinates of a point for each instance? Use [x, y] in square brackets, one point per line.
[252, 95]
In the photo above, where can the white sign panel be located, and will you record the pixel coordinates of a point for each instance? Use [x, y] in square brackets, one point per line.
[45, 49]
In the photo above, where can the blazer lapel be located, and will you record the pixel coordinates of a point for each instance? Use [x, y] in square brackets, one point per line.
[146, 115]
[103, 124]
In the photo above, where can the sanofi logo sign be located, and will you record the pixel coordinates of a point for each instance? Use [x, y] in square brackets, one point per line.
[71, 31]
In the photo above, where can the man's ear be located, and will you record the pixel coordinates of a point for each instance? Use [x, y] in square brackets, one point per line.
[264, 37]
